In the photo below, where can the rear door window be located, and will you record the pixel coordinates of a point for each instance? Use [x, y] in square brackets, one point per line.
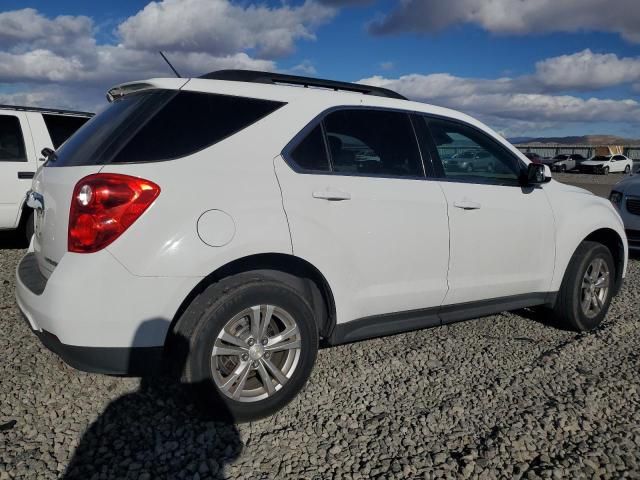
[311, 155]
[62, 127]
[11, 140]
[372, 142]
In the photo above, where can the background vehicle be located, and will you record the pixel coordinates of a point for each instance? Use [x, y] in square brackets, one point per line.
[625, 195]
[24, 132]
[534, 157]
[471, 161]
[604, 164]
[249, 218]
[567, 162]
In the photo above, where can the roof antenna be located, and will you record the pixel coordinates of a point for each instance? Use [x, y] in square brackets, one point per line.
[169, 63]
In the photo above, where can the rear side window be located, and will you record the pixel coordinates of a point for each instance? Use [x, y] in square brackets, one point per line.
[157, 125]
[373, 142]
[191, 121]
[11, 141]
[62, 127]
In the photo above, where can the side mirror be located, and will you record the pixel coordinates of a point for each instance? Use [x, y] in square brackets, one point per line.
[537, 174]
[46, 152]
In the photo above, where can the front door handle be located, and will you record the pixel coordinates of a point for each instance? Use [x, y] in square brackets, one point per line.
[332, 195]
[467, 204]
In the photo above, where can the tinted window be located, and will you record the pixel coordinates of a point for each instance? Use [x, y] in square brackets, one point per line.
[618, 157]
[98, 139]
[191, 121]
[311, 154]
[601, 158]
[561, 157]
[371, 142]
[62, 127]
[11, 142]
[470, 155]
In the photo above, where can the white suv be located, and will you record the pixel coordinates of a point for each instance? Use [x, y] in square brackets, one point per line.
[230, 223]
[24, 133]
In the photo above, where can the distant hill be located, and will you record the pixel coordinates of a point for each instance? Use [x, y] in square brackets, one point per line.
[583, 140]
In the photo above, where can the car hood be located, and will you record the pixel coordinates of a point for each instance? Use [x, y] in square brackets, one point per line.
[629, 185]
[594, 162]
[569, 188]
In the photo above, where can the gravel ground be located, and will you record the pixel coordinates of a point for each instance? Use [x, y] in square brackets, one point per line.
[506, 396]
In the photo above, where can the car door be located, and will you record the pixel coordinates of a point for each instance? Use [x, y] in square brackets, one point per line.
[17, 166]
[502, 234]
[361, 211]
[618, 163]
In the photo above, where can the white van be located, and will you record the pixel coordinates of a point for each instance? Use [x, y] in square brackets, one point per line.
[24, 133]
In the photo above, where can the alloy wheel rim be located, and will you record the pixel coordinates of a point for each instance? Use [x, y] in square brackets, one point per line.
[256, 353]
[595, 287]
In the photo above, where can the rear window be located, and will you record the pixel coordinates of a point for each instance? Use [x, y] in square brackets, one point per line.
[62, 127]
[160, 125]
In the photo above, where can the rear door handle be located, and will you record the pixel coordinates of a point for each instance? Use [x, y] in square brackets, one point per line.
[466, 204]
[332, 195]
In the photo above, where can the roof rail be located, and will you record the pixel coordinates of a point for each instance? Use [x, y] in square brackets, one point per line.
[45, 110]
[254, 76]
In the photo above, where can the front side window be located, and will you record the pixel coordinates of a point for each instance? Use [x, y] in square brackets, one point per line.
[372, 142]
[11, 141]
[471, 156]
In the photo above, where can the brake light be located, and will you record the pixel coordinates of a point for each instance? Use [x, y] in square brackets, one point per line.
[103, 206]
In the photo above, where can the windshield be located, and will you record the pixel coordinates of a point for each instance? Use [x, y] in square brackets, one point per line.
[601, 158]
[102, 136]
[560, 157]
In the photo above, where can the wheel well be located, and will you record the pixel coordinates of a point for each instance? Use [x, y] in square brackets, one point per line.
[610, 239]
[295, 271]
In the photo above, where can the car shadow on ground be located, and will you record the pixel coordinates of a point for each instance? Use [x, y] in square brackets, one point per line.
[157, 432]
[12, 240]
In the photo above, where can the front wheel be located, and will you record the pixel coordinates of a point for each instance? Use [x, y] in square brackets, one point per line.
[253, 346]
[627, 169]
[586, 291]
[605, 171]
[563, 169]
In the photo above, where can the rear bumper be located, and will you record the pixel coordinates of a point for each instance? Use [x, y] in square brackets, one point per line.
[96, 315]
[109, 360]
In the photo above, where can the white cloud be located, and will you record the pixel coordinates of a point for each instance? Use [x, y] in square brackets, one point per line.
[305, 67]
[501, 103]
[386, 65]
[514, 16]
[587, 70]
[220, 27]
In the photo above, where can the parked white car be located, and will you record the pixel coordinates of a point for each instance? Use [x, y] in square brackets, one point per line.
[248, 218]
[24, 133]
[605, 164]
[625, 195]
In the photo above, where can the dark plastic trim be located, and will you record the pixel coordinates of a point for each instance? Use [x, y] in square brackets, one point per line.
[254, 76]
[393, 323]
[134, 361]
[22, 108]
[30, 275]
[26, 175]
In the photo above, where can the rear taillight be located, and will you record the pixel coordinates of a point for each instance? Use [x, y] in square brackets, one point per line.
[103, 206]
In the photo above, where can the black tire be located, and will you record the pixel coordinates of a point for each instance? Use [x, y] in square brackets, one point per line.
[469, 168]
[568, 308]
[563, 169]
[29, 226]
[605, 171]
[203, 320]
[627, 169]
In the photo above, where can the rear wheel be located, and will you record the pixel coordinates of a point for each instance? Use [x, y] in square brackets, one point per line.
[252, 348]
[586, 290]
